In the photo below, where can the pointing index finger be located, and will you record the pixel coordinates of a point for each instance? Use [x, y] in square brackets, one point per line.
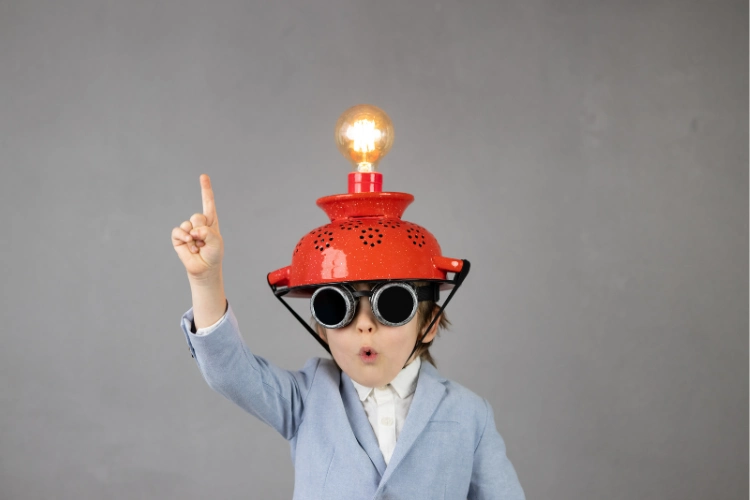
[209, 207]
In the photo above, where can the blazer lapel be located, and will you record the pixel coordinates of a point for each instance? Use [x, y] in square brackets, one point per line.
[359, 423]
[427, 397]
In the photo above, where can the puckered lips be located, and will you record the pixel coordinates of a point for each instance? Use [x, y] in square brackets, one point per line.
[368, 354]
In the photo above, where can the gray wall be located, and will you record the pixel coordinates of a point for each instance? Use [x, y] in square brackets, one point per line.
[588, 157]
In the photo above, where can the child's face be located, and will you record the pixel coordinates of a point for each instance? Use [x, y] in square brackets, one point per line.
[388, 346]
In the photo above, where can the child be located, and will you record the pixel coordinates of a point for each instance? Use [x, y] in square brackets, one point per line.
[377, 421]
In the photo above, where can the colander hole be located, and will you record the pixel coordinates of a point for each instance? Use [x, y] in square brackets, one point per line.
[377, 230]
[420, 245]
[364, 242]
[328, 245]
[361, 237]
[378, 242]
[369, 236]
[372, 244]
[415, 242]
[364, 231]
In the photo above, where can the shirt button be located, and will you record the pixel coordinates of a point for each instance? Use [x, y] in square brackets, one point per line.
[386, 421]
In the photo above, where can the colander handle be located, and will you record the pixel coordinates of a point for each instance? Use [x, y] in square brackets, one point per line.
[447, 264]
[279, 277]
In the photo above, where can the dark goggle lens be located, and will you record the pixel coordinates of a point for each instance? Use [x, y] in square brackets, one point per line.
[395, 304]
[330, 307]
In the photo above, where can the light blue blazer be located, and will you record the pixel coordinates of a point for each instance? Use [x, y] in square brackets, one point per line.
[449, 447]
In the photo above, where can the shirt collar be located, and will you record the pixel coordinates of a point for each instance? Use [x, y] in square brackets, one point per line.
[404, 384]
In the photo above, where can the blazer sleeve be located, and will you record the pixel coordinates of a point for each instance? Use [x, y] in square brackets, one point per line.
[493, 476]
[272, 394]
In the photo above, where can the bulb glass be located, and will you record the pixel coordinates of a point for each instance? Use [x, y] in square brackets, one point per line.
[364, 135]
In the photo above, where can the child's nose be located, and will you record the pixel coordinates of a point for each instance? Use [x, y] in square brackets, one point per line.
[364, 319]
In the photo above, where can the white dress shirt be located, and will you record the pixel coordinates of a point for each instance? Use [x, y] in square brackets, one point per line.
[205, 331]
[386, 407]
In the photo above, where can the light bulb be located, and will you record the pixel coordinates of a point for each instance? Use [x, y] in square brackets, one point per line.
[364, 135]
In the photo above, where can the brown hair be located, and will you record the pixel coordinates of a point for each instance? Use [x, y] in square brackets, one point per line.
[425, 312]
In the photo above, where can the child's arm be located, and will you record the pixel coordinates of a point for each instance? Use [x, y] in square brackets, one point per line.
[272, 394]
[493, 476]
[209, 300]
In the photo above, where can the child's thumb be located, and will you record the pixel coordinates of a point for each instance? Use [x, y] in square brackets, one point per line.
[202, 233]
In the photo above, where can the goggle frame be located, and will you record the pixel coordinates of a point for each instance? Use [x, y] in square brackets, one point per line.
[351, 300]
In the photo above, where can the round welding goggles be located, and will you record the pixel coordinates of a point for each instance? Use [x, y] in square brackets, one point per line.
[393, 303]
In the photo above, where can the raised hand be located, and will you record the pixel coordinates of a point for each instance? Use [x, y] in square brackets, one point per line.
[197, 241]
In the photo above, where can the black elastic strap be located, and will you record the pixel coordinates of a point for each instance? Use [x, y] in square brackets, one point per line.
[460, 277]
[428, 292]
[304, 323]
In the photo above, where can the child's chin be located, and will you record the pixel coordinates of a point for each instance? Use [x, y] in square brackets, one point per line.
[367, 381]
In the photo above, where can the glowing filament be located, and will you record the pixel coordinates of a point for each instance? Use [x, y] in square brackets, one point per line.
[364, 134]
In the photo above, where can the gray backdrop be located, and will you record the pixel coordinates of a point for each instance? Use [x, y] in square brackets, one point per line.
[588, 157]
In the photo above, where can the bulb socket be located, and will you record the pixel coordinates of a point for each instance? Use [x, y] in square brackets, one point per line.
[370, 182]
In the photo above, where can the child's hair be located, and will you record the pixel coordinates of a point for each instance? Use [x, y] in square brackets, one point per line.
[425, 311]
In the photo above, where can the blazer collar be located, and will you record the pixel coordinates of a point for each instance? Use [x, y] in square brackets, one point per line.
[428, 395]
[359, 423]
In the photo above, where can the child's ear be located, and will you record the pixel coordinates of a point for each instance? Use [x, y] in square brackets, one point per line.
[322, 333]
[433, 331]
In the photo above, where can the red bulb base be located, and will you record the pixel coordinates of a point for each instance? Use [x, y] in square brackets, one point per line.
[370, 182]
